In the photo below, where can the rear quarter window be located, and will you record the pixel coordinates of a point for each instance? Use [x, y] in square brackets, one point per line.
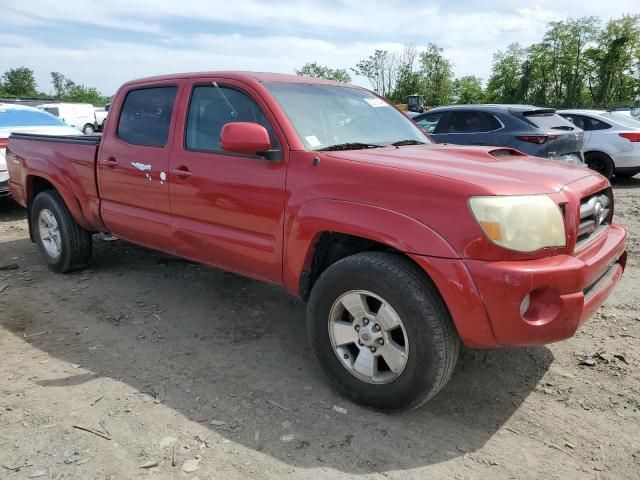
[146, 116]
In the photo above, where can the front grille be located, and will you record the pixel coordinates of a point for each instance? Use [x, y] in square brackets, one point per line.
[596, 212]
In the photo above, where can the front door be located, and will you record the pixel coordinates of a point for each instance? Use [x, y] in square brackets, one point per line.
[133, 167]
[228, 209]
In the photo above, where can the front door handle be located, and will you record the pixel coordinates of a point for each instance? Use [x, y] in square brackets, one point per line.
[110, 162]
[182, 172]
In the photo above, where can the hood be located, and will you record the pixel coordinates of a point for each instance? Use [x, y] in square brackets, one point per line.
[509, 174]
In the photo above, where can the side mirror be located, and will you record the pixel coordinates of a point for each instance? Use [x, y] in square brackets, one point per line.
[245, 137]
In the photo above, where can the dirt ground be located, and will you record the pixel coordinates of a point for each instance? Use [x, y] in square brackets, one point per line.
[172, 367]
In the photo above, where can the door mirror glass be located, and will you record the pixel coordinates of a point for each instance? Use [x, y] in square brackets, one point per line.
[247, 138]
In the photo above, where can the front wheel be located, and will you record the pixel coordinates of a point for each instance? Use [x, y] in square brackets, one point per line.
[64, 244]
[381, 331]
[89, 129]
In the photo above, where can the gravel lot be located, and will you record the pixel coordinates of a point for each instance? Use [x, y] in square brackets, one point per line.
[169, 367]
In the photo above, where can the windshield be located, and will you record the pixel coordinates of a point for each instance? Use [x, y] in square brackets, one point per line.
[17, 117]
[335, 117]
[622, 119]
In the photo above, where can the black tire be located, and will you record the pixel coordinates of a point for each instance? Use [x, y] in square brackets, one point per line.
[88, 129]
[76, 242]
[601, 163]
[433, 340]
[627, 174]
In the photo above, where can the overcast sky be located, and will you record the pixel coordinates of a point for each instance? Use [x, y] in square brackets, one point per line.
[105, 43]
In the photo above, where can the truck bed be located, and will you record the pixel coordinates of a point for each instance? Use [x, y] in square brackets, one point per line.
[81, 139]
[66, 161]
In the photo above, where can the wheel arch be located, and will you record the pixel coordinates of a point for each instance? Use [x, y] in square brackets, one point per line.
[326, 230]
[38, 181]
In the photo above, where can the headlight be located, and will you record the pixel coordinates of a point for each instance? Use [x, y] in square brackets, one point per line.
[523, 223]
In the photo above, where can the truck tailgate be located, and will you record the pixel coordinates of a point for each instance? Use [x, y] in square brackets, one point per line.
[67, 162]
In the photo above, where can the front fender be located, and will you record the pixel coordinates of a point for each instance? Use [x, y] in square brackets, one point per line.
[388, 227]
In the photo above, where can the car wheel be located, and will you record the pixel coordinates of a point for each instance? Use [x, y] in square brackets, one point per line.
[380, 330]
[88, 129]
[601, 163]
[64, 244]
[627, 174]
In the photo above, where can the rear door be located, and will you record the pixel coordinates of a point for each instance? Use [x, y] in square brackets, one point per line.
[133, 165]
[582, 122]
[468, 127]
[228, 209]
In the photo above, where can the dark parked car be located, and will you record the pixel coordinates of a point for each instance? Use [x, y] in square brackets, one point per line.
[537, 131]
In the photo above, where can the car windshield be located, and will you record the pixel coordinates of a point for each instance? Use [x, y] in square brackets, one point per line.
[622, 119]
[18, 117]
[333, 117]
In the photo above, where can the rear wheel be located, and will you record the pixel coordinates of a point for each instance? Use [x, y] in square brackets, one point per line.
[381, 331]
[89, 129]
[601, 163]
[64, 244]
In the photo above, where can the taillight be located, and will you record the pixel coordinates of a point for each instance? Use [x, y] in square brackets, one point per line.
[539, 139]
[631, 136]
[4, 142]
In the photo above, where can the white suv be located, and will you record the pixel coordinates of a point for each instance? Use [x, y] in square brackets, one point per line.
[611, 141]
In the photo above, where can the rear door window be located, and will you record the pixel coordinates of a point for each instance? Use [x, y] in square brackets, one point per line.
[146, 116]
[52, 110]
[430, 121]
[470, 122]
[578, 120]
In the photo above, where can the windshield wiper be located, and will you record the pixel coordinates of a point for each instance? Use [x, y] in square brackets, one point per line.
[400, 143]
[563, 127]
[349, 146]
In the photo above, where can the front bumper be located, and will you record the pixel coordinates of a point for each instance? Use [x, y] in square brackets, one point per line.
[564, 290]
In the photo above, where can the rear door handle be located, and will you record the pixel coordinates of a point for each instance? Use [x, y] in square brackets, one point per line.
[182, 172]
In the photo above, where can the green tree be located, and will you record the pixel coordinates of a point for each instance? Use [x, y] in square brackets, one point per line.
[408, 80]
[312, 69]
[437, 76]
[380, 69]
[504, 85]
[67, 90]
[19, 82]
[615, 63]
[57, 80]
[567, 42]
[468, 89]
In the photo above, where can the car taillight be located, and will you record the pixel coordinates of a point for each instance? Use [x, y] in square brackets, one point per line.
[631, 136]
[539, 139]
[4, 142]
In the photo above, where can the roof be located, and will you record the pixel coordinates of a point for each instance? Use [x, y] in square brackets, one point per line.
[15, 106]
[241, 76]
[587, 111]
[491, 107]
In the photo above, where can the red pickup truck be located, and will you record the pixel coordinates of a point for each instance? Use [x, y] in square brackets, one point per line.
[402, 248]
